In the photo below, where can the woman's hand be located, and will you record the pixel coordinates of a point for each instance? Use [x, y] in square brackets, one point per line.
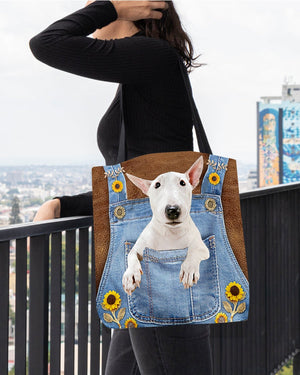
[89, 2]
[137, 10]
[48, 210]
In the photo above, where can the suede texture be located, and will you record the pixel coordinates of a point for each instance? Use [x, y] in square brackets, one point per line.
[149, 166]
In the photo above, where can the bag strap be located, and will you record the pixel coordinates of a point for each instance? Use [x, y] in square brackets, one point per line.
[200, 132]
[199, 129]
[122, 152]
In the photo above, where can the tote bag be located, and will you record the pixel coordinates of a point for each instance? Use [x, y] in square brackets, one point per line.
[122, 211]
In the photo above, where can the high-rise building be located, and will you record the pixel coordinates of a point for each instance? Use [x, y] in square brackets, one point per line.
[278, 137]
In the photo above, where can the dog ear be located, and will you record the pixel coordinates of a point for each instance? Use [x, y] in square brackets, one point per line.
[141, 183]
[194, 172]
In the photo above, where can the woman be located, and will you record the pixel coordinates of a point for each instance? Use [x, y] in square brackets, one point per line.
[135, 45]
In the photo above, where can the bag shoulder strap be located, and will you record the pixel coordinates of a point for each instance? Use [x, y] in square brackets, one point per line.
[200, 132]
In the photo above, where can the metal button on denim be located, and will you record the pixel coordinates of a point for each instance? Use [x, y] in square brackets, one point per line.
[210, 204]
[119, 212]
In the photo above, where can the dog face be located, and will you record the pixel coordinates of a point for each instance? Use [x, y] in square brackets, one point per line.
[170, 193]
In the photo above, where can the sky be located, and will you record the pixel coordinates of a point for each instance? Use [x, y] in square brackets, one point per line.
[51, 117]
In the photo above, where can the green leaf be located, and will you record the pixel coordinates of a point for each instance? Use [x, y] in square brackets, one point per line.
[241, 308]
[108, 318]
[121, 313]
[227, 306]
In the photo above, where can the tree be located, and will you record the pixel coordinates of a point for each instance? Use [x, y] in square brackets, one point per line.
[15, 211]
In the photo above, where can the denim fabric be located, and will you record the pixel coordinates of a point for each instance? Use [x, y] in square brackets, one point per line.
[161, 298]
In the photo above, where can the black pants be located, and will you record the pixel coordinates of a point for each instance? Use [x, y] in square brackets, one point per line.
[170, 350]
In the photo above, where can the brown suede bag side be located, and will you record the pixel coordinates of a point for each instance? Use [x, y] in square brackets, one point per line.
[149, 166]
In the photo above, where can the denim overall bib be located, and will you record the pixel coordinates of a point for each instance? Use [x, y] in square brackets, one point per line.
[220, 295]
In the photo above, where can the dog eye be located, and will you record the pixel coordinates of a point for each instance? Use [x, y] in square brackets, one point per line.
[182, 183]
[157, 185]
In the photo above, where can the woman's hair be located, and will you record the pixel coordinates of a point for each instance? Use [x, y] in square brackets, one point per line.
[169, 28]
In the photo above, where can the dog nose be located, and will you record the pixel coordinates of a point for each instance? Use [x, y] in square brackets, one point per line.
[172, 212]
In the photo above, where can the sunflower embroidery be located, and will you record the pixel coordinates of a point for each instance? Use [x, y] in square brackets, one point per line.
[117, 186]
[112, 302]
[221, 318]
[130, 323]
[234, 293]
[214, 178]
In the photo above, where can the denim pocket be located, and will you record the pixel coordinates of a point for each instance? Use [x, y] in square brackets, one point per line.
[162, 298]
[206, 294]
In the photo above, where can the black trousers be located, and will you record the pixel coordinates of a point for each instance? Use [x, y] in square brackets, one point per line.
[169, 350]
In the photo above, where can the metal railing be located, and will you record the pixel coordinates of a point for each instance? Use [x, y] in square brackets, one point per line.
[60, 265]
[271, 335]
[59, 327]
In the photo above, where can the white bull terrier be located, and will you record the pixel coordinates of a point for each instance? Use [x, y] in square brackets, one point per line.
[171, 226]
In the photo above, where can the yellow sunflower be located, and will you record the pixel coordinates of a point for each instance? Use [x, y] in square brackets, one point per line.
[221, 318]
[214, 178]
[234, 292]
[111, 300]
[130, 323]
[117, 186]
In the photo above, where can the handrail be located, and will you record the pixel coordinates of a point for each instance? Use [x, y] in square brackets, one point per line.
[259, 192]
[15, 231]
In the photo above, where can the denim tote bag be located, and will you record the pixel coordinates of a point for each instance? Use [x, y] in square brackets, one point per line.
[122, 211]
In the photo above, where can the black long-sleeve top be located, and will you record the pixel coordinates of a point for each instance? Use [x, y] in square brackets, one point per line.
[156, 108]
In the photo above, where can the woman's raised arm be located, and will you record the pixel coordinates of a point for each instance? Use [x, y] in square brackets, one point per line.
[65, 45]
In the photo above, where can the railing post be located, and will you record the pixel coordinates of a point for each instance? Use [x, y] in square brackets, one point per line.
[21, 306]
[38, 302]
[296, 364]
[70, 302]
[95, 322]
[4, 287]
[55, 330]
[83, 300]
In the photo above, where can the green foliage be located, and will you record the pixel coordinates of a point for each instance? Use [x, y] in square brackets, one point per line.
[15, 211]
[12, 315]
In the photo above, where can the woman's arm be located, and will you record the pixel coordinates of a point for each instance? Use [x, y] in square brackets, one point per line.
[48, 210]
[65, 45]
[65, 206]
[76, 205]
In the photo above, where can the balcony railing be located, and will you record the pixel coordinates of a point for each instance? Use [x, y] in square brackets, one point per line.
[62, 334]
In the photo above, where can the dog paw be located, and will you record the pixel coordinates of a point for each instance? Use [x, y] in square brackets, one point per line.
[189, 273]
[131, 279]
